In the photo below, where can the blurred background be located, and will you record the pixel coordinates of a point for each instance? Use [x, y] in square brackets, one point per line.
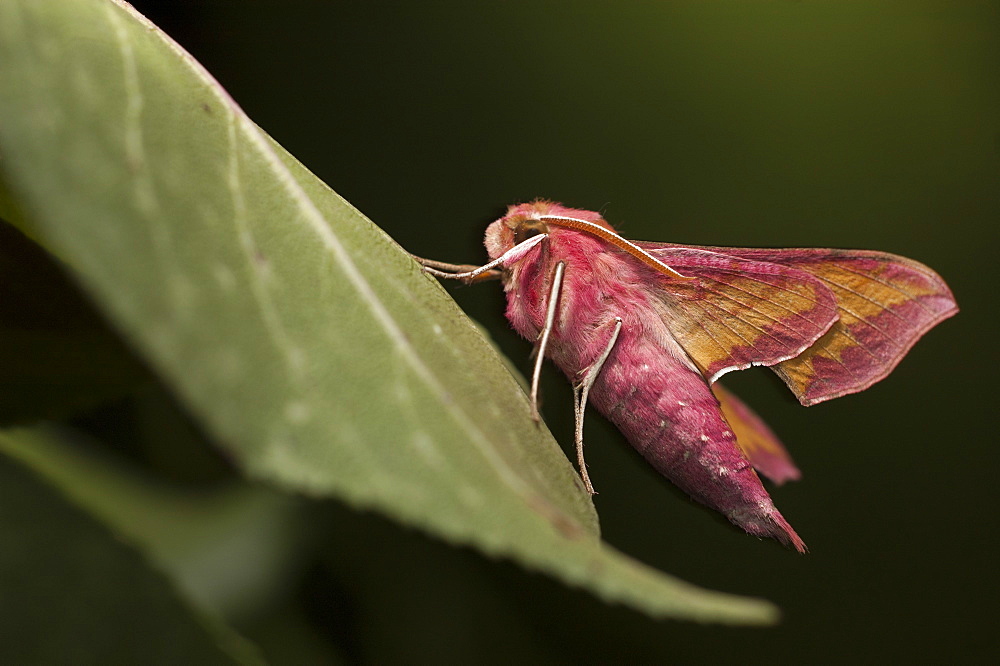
[798, 123]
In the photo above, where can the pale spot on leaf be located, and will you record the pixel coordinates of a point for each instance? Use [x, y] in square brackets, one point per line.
[224, 277]
[470, 496]
[297, 412]
[425, 447]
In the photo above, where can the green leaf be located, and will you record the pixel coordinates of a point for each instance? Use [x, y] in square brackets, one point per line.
[74, 593]
[307, 342]
[230, 549]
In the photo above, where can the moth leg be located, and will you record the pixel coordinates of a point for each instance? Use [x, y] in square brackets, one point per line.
[543, 338]
[581, 392]
[510, 256]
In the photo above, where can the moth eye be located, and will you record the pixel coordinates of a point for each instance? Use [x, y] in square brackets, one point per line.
[524, 233]
[526, 229]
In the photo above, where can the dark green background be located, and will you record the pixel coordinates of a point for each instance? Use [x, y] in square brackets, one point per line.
[872, 125]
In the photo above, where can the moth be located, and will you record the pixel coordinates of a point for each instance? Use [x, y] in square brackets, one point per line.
[644, 330]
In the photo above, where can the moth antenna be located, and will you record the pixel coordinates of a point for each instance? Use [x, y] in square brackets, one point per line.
[543, 340]
[616, 240]
[581, 392]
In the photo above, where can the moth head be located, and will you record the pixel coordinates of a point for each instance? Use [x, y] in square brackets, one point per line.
[547, 217]
[527, 219]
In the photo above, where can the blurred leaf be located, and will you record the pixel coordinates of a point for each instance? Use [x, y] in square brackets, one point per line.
[73, 593]
[308, 344]
[231, 549]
